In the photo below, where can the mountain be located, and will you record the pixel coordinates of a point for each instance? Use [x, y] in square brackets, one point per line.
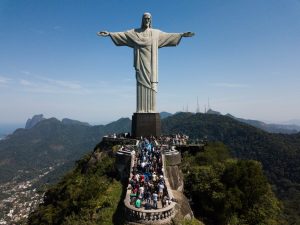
[89, 194]
[164, 115]
[273, 150]
[293, 121]
[6, 129]
[34, 120]
[278, 153]
[272, 128]
[210, 111]
[74, 122]
[50, 143]
[216, 184]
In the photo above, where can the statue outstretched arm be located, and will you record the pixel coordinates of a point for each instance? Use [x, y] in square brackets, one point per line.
[119, 38]
[103, 33]
[188, 34]
[172, 39]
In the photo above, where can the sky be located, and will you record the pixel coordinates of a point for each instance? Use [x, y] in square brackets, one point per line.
[244, 58]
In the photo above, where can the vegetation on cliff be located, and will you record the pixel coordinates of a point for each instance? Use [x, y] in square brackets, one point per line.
[223, 191]
[228, 191]
[90, 194]
[279, 154]
[50, 143]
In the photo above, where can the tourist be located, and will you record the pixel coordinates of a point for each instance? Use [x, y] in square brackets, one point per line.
[154, 176]
[138, 203]
[148, 196]
[154, 198]
[164, 201]
[132, 198]
[160, 190]
[141, 192]
[148, 206]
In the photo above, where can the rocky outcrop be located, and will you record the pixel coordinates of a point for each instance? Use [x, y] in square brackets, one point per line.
[74, 122]
[34, 121]
[175, 178]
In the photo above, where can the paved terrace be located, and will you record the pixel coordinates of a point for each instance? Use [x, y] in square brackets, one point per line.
[148, 215]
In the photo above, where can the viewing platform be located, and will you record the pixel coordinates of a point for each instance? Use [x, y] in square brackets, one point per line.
[144, 214]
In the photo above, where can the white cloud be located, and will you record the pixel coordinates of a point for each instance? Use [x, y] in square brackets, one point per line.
[25, 82]
[4, 80]
[46, 85]
[230, 85]
[25, 72]
[61, 83]
[39, 84]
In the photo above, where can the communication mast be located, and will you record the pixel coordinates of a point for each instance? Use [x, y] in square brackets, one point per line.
[208, 105]
[198, 109]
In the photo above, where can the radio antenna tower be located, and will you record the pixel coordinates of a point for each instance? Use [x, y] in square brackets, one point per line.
[198, 109]
[208, 105]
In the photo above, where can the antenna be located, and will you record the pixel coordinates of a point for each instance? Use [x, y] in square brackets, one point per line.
[197, 110]
[208, 105]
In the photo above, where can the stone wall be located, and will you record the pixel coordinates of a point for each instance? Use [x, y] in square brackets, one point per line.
[176, 181]
[119, 141]
[123, 161]
[173, 158]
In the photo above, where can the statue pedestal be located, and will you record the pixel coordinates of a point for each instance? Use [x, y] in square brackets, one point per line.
[146, 125]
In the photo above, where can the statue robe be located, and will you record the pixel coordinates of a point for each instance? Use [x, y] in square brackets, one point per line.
[145, 44]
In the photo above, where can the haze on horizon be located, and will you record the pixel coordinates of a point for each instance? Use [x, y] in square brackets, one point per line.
[244, 58]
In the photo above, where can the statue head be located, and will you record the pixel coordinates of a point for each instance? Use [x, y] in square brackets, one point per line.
[146, 20]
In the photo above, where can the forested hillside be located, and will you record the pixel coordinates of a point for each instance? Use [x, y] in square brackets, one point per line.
[51, 143]
[278, 153]
[218, 186]
[90, 194]
[228, 191]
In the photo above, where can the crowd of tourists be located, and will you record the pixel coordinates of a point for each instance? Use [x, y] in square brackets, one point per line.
[120, 135]
[177, 139]
[147, 183]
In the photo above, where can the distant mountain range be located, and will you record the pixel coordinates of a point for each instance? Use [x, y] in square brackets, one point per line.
[34, 120]
[53, 143]
[6, 129]
[272, 128]
[59, 144]
[278, 153]
[287, 128]
[31, 122]
[50, 142]
[164, 115]
[293, 121]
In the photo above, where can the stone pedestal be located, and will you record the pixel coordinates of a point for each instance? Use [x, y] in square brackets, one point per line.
[146, 125]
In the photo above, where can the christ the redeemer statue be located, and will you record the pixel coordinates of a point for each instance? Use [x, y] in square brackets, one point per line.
[145, 42]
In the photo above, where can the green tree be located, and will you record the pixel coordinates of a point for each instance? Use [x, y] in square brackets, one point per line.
[229, 191]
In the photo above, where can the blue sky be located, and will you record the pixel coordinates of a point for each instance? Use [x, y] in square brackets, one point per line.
[245, 57]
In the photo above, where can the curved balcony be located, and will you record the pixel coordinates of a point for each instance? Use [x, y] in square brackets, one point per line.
[143, 216]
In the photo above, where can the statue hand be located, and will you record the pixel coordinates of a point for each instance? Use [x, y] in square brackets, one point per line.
[103, 33]
[188, 34]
